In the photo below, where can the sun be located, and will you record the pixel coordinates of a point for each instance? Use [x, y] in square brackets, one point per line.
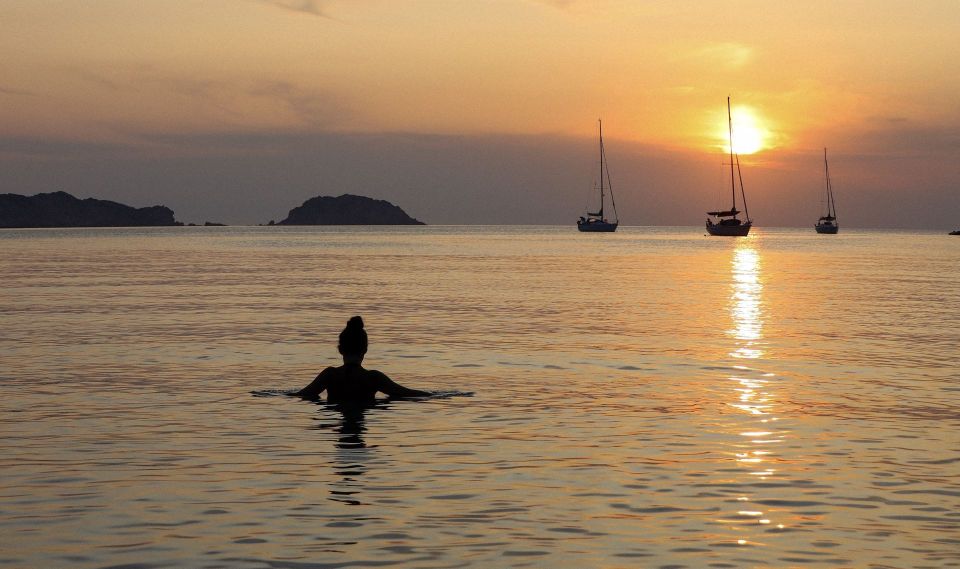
[749, 135]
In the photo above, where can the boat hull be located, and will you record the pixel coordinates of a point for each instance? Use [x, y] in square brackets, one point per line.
[721, 230]
[831, 229]
[597, 226]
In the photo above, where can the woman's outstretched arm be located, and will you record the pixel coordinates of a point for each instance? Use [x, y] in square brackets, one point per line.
[316, 386]
[394, 389]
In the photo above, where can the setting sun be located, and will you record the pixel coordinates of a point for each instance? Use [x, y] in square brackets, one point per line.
[749, 135]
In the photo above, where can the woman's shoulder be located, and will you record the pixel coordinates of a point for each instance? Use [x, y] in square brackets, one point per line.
[373, 377]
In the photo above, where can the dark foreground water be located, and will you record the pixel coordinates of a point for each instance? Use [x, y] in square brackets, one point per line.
[651, 398]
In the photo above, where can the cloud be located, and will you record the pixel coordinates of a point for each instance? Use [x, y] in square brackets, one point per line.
[888, 120]
[560, 4]
[312, 7]
[14, 92]
[101, 81]
[895, 137]
[15, 148]
[236, 101]
[311, 106]
[729, 54]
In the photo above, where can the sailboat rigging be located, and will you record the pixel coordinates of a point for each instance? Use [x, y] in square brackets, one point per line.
[728, 224]
[596, 222]
[828, 223]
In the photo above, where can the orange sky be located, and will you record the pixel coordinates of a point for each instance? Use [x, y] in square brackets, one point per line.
[841, 74]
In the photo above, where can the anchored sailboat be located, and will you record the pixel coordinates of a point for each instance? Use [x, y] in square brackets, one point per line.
[728, 224]
[828, 223]
[596, 222]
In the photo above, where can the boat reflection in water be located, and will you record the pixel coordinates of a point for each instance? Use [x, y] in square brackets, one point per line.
[756, 435]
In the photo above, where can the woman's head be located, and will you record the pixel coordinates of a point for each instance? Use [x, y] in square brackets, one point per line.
[353, 339]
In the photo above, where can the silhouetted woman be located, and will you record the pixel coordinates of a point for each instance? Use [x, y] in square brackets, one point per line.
[351, 382]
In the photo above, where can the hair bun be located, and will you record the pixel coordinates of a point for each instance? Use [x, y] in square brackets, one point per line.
[355, 322]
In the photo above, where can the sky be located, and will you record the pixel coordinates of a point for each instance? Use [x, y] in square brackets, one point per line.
[486, 111]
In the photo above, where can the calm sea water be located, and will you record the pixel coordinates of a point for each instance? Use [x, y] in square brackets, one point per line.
[652, 398]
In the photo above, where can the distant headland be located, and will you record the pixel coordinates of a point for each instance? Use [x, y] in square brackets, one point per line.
[348, 209]
[60, 209]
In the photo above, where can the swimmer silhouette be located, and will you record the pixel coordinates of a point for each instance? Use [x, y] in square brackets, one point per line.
[351, 383]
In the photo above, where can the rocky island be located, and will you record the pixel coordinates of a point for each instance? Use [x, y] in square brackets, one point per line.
[348, 210]
[60, 209]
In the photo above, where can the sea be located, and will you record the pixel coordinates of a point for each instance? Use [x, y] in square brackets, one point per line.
[651, 398]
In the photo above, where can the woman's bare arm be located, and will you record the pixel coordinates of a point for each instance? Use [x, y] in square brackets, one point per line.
[394, 389]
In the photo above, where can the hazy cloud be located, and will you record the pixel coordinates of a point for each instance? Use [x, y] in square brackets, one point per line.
[561, 4]
[15, 92]
[889, 120]
[102, 81]
[14, 148]
[313, 7]
[728, 54]
[897, 137]
[233, 98]
[312, 107]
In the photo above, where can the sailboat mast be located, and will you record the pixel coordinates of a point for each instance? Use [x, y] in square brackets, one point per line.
[831, 207]
[600, 122]
[826, 179]
[613, 201]
[733, 187]
[743, 194]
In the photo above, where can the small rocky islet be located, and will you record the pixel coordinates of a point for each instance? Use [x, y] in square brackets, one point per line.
[348, 209]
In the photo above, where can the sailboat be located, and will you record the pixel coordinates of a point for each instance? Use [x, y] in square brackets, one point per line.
[828, 223]
[728, 224]
[596, 222]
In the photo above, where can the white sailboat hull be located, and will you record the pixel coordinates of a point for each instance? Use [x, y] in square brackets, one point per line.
[825, 229]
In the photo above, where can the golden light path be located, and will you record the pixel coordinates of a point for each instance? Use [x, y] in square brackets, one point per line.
[753, 397]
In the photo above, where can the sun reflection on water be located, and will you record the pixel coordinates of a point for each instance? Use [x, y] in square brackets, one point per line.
[752, 394]
[746, 309]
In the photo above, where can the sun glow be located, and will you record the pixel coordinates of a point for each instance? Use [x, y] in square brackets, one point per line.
[749, 135]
